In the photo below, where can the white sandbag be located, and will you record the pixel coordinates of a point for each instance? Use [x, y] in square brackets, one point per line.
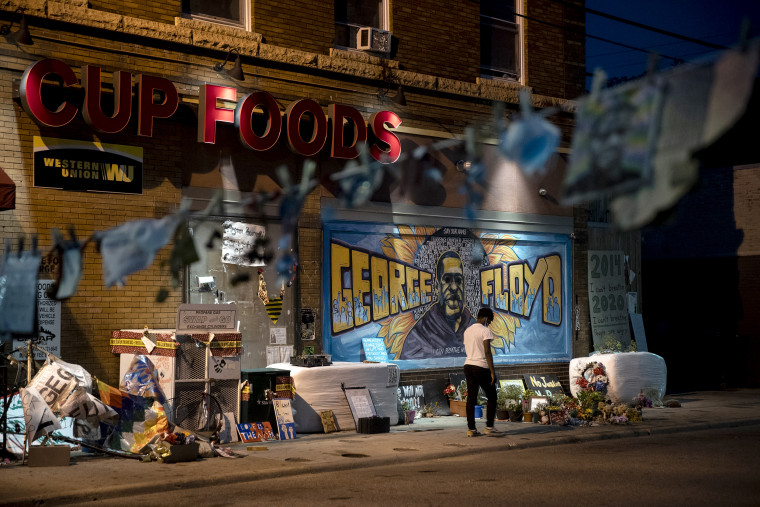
[318, 388]
[628, 373]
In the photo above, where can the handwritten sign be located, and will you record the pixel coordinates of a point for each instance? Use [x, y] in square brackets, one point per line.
[544, 385]
[374, 349]
[206, 318]
[607, 297]
[238, 240]
[414, 395]
[282, 410]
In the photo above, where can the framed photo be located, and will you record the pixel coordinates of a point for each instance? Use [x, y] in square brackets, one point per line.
[537, 401]
[517, 382]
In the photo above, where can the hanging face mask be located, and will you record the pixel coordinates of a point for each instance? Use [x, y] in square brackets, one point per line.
[71, 265]
[358, 181]
[530, 140]
[132, 246]
[18, 289]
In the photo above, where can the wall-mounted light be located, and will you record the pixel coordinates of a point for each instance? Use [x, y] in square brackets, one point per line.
[236, 72]
[463, 166]
[546, 195]
[20, 36]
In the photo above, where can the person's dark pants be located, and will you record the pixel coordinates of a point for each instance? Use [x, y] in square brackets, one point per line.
[478, 377]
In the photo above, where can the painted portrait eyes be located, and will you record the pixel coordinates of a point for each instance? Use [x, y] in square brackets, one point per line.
[449, 278]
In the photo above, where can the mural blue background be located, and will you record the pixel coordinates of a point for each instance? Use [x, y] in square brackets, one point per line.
[530, 341]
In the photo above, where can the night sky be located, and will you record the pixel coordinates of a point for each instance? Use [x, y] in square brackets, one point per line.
[715, 21]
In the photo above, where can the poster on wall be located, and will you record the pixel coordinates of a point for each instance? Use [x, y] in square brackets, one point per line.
[238, 239]
[607, 297]
[48, 323]
[418, 288]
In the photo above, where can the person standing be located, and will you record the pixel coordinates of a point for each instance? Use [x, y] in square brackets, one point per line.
[479, 371]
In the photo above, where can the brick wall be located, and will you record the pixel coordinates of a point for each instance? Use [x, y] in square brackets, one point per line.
[310, 265]
[88, 318]
[162, 12]
[516, 372]
[555, 58]
[746, 193]
[306, 25]
[438, 41]
[291, 65]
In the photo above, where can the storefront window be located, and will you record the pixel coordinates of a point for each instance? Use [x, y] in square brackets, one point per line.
[499, 40]
[351, 15]
[226, 12]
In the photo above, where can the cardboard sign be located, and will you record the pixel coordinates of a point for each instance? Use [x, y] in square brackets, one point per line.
[374, 350]
[266, 431]
[248, 433]
[286, 428]
[287, 431]
[544, 385]
[328, 421]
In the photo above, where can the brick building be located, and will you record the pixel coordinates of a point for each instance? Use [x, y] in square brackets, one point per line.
[438, 70]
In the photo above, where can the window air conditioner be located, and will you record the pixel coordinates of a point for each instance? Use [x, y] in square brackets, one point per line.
[373, 39]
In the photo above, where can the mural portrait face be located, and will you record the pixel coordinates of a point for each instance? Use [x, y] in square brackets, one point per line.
[450, 286]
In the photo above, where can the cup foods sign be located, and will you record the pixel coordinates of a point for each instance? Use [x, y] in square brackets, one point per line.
[384, 145]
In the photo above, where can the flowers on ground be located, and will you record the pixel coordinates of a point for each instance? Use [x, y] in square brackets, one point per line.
[592, 377]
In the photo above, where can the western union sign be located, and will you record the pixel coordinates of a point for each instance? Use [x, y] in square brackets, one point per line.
[89, 166]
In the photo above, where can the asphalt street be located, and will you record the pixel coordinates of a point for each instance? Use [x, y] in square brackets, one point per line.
[108, 478]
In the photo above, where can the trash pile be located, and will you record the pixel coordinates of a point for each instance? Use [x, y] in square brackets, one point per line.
[133, 421]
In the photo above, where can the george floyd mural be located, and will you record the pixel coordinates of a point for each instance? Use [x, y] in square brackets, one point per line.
[418, 288]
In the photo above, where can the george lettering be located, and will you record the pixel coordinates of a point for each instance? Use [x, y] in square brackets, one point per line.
[369, 287]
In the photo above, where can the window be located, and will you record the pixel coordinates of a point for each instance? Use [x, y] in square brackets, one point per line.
[499, 40]
[235, 13]
[351, 15]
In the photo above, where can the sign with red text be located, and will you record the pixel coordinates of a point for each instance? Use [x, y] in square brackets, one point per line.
[89, 166]
[157, 98]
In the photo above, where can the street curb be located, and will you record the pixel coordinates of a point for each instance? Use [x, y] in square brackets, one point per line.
[293, 469]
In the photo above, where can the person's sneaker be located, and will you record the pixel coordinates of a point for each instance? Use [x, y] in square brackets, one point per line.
[472, 433]
[492, 431]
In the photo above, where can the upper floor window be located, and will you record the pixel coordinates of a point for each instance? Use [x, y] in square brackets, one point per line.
[235, 13]
[362, 24]
[499, 39]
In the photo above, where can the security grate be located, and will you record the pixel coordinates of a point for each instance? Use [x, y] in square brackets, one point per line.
[191, 361]
[226, 392]
[195, 410]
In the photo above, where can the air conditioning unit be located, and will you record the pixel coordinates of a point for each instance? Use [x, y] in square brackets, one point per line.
[373, 39]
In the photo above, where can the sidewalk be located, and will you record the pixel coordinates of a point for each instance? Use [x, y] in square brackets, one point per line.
[103, 477]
